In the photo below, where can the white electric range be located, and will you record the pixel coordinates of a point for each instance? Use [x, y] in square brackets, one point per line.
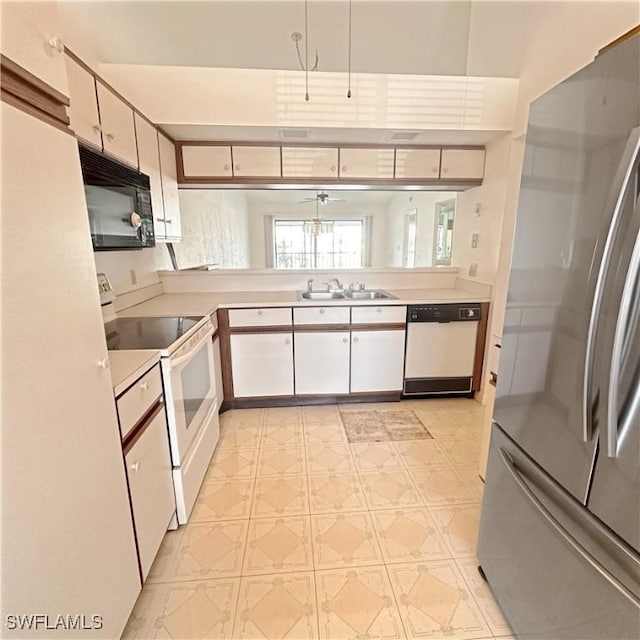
[188, 377]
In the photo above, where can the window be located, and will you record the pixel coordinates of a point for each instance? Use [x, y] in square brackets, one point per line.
[409, 252]
[297, 247]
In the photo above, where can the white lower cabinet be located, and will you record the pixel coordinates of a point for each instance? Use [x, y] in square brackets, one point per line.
[377, 360]
[322, 362]
[262, 364]
[151, 488]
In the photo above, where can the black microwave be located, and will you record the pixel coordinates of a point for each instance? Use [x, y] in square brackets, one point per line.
[118, 202]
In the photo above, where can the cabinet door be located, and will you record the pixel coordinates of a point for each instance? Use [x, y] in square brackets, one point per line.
[118, 131]
[31, 38]
[151, 488]
[377, 360]
[149, 155]
[322, 362]
[460, 164]
[83, 110]
[262, 364]
[257, 162]
[309, 162]
[210, 162]
[173, 229]
[366, 163]
[418, 163]
[62, 465]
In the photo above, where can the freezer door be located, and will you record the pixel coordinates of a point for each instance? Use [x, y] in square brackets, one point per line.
[581, 141]
[555, 571]
[615, 492]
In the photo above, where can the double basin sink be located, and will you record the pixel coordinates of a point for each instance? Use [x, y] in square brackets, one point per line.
[349, 294]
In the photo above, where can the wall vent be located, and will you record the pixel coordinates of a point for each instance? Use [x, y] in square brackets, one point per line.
[293, 134]
[403, 136]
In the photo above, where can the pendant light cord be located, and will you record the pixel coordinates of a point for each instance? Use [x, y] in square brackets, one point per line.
[349, 69]
[306, 51]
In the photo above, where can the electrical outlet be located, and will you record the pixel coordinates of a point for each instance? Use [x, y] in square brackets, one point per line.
[473, 269]
[474, 240]
[133, 276]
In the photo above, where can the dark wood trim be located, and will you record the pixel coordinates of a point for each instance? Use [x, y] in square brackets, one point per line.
[625, 36]
[388, 326]
[293, 401]
[225, 354]
[320, 328]
[481, 340]
[25, 91]
[276, 328]
[321, 145]
[142, 425]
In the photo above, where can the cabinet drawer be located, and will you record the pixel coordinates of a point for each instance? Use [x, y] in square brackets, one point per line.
[138, 399]
[260, 317]
[378, 315]
[151, 488]
[321, 315]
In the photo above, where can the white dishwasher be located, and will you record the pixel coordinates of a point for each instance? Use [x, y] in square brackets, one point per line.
[441, 348]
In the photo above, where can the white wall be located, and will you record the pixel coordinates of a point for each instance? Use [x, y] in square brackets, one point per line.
[214, 229]
[295, 211]
[487, 222]
[425, 204]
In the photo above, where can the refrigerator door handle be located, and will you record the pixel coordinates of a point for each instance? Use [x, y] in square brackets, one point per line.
[567, 537]
[613, 433]
[615, 201]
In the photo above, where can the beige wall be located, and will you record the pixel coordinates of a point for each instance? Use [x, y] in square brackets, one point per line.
[214, 229]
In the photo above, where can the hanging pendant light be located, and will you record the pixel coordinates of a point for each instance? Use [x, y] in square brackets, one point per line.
[317, 226]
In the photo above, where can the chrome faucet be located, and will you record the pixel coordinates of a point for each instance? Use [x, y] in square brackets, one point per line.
[356, 286]
[310, 284]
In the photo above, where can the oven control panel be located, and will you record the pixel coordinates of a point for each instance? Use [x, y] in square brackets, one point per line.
[458, 312]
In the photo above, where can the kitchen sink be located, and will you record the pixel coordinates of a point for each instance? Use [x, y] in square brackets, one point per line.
[368, 294]
[322, 295]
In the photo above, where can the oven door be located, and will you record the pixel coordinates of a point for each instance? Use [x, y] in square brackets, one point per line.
[191, 393]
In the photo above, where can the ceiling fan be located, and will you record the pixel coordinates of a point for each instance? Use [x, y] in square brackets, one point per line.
[322, 197]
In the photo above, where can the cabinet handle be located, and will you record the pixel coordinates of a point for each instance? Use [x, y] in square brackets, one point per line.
[55, 42]
[321, 310]
[344, 168]
[346, 339]
[379, 309]
[445, 170]
[168, 220]
[287, 341]
[144, 385]
[434, 170]
[96, 128]
[110, 136]
[160, 220]
[333, 169]
[103, 363]
[237, 167]
[260, 312]
[226, 167]
[134, 466]
[355, 338]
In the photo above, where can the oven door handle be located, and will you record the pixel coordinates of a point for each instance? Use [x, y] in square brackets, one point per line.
[174, 363]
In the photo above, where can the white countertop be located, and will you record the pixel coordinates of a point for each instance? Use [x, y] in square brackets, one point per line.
[129, 365]
[207, 303]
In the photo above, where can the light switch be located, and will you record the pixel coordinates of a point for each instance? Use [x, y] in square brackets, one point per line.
[473, 269]
[474, 240]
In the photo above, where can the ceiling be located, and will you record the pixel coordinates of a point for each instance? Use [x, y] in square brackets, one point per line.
[478, 37]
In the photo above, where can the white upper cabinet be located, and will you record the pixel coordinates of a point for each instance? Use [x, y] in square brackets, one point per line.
[206, 161]
[30, 37]
[149, 155]
[83, 110]
[309, 162]
[256, 162]
[418, 163]
[366, 163]
[118, 131]
[461, 164]
[173, 230]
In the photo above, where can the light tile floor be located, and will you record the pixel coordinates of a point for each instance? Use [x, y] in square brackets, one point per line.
[298, 534]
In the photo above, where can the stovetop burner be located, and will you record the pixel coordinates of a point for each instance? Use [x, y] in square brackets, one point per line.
[147, 333]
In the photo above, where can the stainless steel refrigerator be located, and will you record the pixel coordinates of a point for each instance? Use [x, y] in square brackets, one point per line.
[560, 529]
